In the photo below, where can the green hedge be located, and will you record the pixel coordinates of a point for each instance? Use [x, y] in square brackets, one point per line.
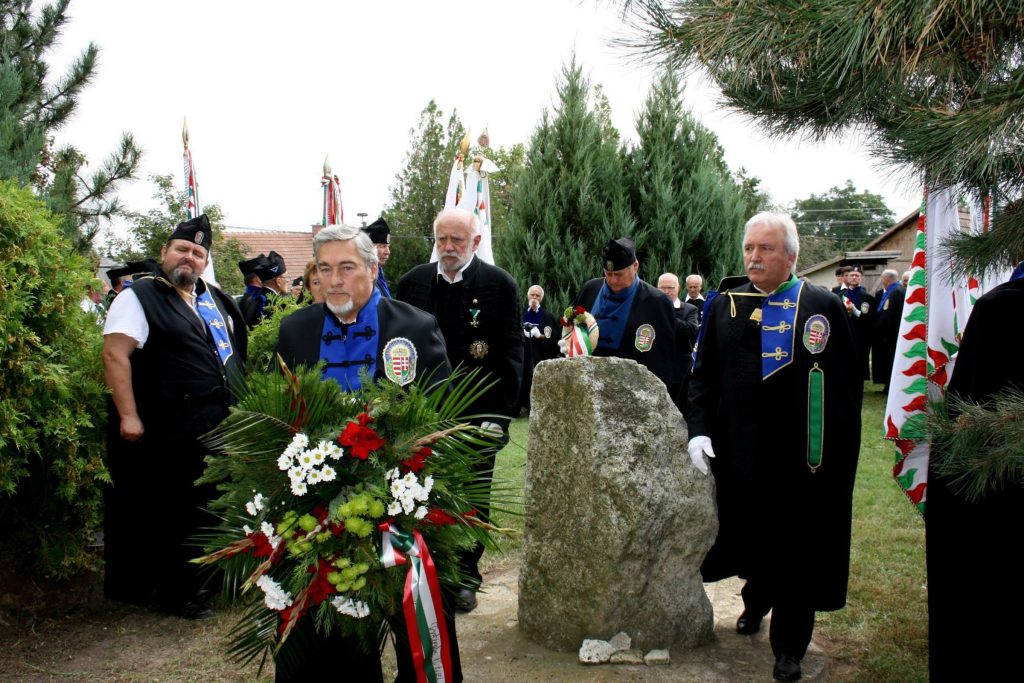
[52, 397]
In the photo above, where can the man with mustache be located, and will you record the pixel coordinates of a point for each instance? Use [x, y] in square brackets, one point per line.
[773, 393]
[477, 307]
[172, 348]
[357, 331]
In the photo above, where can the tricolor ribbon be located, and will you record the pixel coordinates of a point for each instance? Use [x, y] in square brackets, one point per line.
[578, 342]
[421, 603]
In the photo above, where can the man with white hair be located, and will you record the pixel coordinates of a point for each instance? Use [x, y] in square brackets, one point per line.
[477, 307]
[774, 395]
[540, 336]
[694, 283]
[888, 314]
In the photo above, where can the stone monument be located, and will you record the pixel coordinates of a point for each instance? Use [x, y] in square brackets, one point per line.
[617, 518]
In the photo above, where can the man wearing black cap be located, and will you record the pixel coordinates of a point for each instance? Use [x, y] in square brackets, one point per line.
[477, 306]
[268, 271]
[173, 346]
[635, 319]
[380, 235]
[120, 277]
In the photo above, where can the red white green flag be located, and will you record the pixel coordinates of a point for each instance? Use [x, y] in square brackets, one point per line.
[192, 197]
[469, 189]
[926, 345]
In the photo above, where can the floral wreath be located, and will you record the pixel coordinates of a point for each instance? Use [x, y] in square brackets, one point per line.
[579, 332]
[349, 508]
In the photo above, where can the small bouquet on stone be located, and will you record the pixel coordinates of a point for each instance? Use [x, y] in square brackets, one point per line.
[331, 500]
[579, 332]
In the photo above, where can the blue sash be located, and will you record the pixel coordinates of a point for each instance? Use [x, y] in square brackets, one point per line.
[211, 315]
[611, 311]
[778, 323]
[382, 284]
[350, 348]
[257, 294]
[531, 317]
[1018, 272]
[885, 295]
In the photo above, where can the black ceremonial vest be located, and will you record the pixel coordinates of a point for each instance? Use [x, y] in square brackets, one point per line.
[179, 381]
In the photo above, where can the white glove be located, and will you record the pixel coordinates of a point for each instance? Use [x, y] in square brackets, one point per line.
[698, 447]
[535, 333]
[492, 427]
[563, 346]
[526, 333]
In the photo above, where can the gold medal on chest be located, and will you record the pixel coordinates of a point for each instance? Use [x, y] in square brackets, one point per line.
[478, 349]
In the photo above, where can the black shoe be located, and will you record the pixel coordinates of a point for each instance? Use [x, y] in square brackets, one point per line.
[465, 600]
[749, 623]
[786, 668]
[193, 611]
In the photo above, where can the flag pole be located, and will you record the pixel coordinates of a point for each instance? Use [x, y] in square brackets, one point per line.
[192, 196]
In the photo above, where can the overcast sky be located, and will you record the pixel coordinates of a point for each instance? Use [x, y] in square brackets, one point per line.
[270, 89]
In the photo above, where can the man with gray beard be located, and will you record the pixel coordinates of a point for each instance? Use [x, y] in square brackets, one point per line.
[172, 348]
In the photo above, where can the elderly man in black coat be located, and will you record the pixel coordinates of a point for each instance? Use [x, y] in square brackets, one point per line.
[477, 307]
[635, 320]
[888, 314]
[774, 391]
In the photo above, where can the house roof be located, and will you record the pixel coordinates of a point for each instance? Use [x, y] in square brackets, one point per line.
[295, 247]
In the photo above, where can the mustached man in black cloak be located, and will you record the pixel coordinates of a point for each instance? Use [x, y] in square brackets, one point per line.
[775, 396]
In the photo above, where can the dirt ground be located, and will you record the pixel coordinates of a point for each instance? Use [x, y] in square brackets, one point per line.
[117, 643]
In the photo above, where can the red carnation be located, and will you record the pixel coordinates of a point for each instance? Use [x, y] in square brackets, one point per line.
[438, 517]
[417, 462]
[580, 310]
[320, 588]
[360, 439]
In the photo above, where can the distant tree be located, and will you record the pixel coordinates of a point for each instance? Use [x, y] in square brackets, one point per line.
[419, 190]
[689, 210]
[148, 232]
[31, 109]
[844, 214]
[568, 200]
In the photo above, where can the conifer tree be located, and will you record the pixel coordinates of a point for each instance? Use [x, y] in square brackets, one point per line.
[419, 190]
[568, 200]
[689, 210]
[32, 108]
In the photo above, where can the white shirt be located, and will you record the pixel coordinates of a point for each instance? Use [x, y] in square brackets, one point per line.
[127, 317]
[458, 275]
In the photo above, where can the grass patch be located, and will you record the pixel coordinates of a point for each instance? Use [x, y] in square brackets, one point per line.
[882, 635]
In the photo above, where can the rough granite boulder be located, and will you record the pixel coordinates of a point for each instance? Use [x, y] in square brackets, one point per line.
[617, 518]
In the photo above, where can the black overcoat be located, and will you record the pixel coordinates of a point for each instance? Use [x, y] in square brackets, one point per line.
[480, 320]
[886, 332]
[298, 340]
[972, 545]
[778, 520]
[650, 307]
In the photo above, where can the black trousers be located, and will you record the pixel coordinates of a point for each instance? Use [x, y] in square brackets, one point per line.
[308, 656]
[469, 560]
[792, 622]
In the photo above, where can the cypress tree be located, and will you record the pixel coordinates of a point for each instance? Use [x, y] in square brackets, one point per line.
[688, 208]
[568, 200]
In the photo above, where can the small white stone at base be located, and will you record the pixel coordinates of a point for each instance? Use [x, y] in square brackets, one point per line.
[595, 651]
[621, 641]
[627, 657]
[655, 657]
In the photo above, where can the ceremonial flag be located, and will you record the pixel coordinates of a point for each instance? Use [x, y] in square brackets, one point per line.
[469, 189]
[333, 213]
[192, 191]
[926, 346]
